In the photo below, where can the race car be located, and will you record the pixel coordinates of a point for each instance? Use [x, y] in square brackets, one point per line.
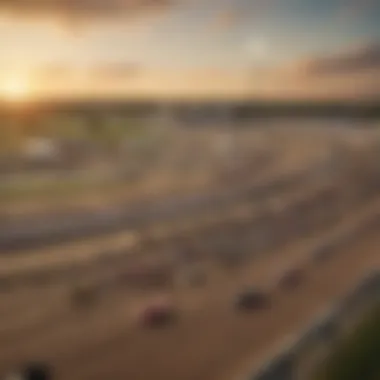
[251, 299]
[159, 313]
[32, 371]
[291, 279]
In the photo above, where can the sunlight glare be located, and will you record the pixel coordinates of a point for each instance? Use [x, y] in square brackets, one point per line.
[15, 90]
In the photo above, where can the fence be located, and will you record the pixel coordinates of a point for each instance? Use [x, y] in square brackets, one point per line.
[299, 357]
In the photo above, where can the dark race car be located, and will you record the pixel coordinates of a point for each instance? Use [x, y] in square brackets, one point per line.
[251, 299]
[33, 371]
[83, 297]
[323, 253]
[291, 279]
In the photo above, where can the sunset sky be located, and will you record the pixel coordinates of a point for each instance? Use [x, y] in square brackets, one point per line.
[265, 48]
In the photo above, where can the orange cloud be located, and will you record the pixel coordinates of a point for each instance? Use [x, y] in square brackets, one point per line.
[366, 57]
[225, 21]
[228, 19]
[350, 74]
[78, 12]
[113, 72]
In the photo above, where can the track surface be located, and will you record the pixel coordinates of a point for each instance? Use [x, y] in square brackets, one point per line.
[210, 341]
[293, 151]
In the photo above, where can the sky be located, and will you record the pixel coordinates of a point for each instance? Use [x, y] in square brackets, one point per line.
[263, 48]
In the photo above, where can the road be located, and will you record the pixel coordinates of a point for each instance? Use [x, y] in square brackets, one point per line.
[211, 340]
[75, 259]
[35, 233]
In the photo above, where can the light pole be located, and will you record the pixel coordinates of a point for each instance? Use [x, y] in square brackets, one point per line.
[231, 136]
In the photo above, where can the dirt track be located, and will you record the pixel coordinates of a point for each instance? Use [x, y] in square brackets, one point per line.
[211, 341]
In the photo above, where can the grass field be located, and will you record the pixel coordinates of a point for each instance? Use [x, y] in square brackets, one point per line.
[356, 356]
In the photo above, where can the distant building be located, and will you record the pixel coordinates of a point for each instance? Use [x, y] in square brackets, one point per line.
[40, 149]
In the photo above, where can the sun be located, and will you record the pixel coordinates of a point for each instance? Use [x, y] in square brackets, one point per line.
[15, 90]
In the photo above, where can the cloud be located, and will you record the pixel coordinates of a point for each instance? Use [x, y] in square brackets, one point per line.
[358, 59]
[350, 74]
[131, 80]
[107, 75]
[113, 72]
[240, 11]
[74, 18]
[225, 21]
[53, 69]
[82, 9]
[350, 10]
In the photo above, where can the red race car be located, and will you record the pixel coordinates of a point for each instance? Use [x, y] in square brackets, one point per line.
[159, 313]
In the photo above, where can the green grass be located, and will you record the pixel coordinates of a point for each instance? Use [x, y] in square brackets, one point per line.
[108, 136]
[357, 357]
[57, 188]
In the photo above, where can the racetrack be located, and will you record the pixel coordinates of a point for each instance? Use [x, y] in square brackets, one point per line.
[211, 340]
[291, 151]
